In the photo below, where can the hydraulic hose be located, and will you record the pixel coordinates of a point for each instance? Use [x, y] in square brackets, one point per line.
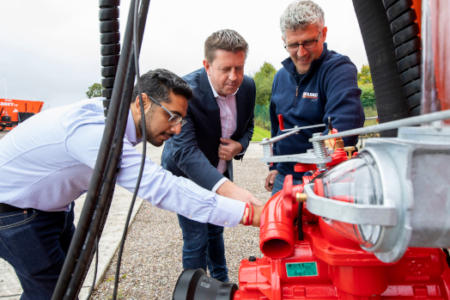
[100, 192]
[110, 51]
[392, 48]
[110, 46]
[95, 188]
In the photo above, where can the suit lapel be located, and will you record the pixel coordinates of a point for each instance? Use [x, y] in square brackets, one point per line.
[240, 107]
[210, 103]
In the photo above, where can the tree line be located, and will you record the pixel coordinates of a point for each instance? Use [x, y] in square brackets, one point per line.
[263, 81]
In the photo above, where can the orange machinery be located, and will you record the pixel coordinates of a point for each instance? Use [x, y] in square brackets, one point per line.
[13, 111]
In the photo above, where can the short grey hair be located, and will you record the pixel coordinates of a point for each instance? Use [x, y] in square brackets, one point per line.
[225, 39]
[300, 14]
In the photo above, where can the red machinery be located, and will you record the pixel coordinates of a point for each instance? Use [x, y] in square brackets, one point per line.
[13, 111]
[313, 260]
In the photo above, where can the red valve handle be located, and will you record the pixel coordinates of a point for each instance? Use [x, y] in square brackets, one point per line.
[281, 121]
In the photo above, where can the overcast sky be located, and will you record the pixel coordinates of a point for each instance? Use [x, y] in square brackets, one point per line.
[49, 49]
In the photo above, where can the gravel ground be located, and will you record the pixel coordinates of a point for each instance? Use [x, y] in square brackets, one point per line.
[151, 262]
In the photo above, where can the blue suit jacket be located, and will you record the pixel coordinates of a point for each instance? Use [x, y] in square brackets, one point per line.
[194, 152]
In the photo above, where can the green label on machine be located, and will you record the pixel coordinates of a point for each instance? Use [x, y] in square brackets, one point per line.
[301, 269]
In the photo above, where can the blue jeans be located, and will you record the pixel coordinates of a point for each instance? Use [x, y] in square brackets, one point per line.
[203, 246]
[35, 243]
[279, 181]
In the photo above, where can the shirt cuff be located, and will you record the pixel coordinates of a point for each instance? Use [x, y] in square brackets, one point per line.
[218, 184]
[228, 212]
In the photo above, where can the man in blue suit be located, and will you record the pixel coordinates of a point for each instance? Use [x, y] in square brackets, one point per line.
[218, 128]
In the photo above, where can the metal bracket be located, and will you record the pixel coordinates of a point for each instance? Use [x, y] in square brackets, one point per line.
[305, 158]
[361, 214]
[308, 158]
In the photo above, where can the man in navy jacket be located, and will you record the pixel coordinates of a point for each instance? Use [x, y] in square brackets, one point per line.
[219, 127]
[314, 84]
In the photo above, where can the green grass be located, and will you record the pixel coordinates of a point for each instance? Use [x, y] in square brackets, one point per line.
[370, 112]
[259, 133]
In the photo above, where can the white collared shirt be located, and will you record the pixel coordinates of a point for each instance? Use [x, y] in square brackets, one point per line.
[46, 163]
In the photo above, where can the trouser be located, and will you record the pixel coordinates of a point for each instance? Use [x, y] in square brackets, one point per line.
[35, 243]
[204, 247]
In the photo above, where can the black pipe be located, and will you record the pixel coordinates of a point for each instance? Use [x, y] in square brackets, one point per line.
[138, 31]
[98, 187]
[110, 51]
[110, 46]
[105, 197]
[104, 202]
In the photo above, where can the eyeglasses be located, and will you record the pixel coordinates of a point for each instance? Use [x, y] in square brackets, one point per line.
[174, 118]
[307, 45]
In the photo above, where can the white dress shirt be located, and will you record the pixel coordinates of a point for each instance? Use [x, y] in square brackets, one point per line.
[47, 161]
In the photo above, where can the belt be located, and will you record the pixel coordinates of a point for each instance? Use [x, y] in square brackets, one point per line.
[4, 208]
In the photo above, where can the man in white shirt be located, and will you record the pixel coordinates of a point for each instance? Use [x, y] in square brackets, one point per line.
[47, 162]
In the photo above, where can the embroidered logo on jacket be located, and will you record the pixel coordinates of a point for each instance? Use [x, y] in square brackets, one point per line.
[309, 95]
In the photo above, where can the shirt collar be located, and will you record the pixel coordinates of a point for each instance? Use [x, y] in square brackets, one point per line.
[130, 131]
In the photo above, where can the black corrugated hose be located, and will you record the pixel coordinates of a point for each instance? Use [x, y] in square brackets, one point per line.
[110, 46]
[390, 36]
[102, 184]
[137, 41]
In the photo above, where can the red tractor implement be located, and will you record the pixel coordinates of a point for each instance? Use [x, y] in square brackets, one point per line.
[13, 111]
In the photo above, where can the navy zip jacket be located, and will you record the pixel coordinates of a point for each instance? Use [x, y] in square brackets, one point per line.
[328, 89]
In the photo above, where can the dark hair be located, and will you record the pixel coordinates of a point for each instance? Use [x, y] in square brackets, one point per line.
[225, 39]
[159, 83]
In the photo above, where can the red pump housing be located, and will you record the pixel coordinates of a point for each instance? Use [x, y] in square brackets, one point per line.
[315, 261]
[326, 265]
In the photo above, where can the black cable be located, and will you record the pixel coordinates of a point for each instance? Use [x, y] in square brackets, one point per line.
[130, 79]
[110, 51]
[102, 180]
[66, 285]
[144, 151]
[91, 290]
[111, 172]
